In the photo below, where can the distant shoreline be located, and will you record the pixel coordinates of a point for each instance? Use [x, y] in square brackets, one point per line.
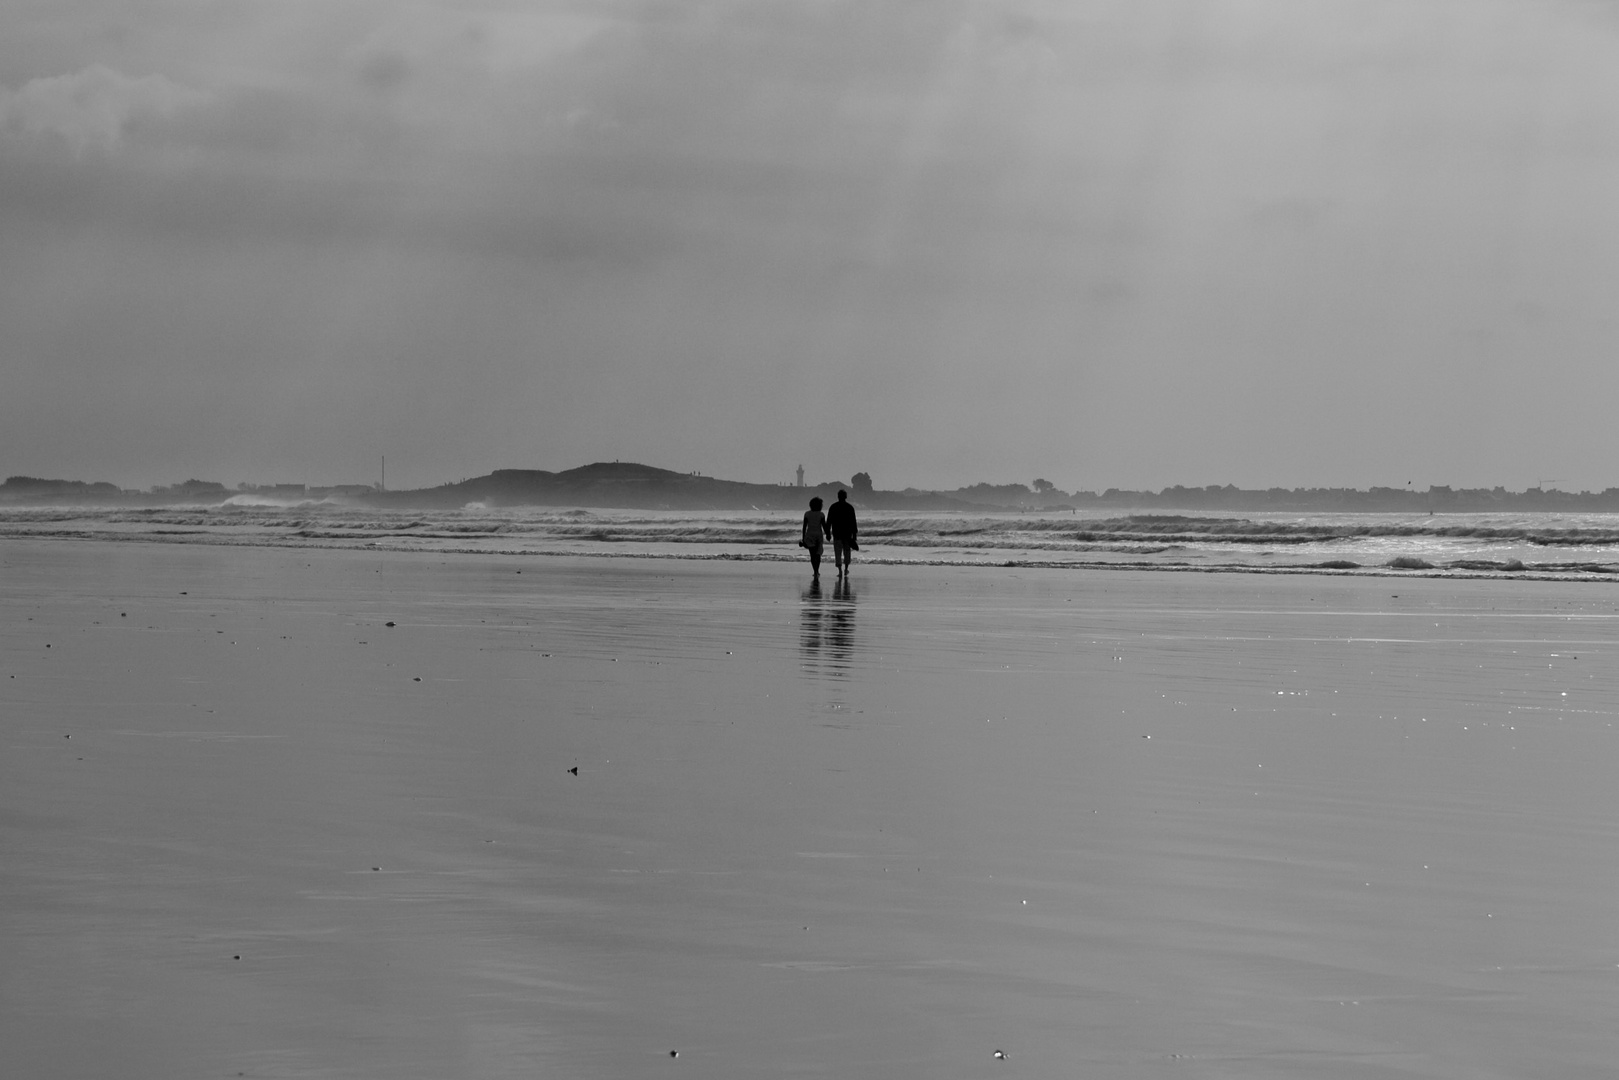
[631, 486]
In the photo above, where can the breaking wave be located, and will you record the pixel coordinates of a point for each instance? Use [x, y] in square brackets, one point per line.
[1585, 545]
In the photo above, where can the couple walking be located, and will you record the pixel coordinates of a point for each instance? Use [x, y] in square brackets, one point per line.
[837, 525]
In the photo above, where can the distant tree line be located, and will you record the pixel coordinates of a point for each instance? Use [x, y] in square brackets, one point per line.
[33, 485]
[1043, 494]
[1436, 499]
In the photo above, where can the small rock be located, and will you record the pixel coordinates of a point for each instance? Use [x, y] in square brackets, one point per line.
[574, 770]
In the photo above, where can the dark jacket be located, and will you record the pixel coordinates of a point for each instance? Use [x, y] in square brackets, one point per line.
[840, 520]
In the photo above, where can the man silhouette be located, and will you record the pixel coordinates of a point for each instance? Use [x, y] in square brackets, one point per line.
[840, 522]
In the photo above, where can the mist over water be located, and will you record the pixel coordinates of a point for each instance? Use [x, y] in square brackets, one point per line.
[1580, 546]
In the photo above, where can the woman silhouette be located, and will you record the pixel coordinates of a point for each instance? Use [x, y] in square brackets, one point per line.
[815, 534]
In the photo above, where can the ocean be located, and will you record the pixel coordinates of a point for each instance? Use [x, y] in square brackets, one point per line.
[1523, 545]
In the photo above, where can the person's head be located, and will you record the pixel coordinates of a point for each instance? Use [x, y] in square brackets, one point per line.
[815, 503]
[842, 495]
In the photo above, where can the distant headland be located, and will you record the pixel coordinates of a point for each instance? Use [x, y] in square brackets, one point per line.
[630, 486]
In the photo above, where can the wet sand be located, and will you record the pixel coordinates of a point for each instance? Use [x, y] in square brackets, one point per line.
[1108, 823]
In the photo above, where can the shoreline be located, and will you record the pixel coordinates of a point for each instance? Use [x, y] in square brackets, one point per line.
[1592, 572]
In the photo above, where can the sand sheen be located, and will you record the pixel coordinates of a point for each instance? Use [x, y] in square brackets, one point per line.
[1109, 824]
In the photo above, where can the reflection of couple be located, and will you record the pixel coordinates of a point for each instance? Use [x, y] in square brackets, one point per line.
[837, 525]
[828, 626]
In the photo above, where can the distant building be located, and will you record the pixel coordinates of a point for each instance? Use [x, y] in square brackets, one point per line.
[194, 489]
[801, 476]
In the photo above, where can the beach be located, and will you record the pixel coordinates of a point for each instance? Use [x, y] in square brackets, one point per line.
[341, 813]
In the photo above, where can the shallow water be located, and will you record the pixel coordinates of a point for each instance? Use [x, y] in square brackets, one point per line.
[1113, 824]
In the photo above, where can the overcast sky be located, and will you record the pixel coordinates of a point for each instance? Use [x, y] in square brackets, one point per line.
[1105, 242]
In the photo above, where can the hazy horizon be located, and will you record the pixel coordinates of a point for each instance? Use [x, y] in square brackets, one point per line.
[1340, 243]
[810, 482]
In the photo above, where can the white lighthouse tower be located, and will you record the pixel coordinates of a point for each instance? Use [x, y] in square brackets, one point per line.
[801, 476]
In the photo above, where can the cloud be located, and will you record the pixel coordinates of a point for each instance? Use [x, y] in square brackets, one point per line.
[673, 229]
[93, 107]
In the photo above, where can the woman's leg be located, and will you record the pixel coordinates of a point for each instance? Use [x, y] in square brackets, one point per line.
[815, 560]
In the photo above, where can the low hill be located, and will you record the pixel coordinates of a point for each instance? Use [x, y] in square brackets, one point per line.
[631, 486]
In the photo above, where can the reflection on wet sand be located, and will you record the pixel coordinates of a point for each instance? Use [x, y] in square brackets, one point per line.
[1114, 825]
[826, 635]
